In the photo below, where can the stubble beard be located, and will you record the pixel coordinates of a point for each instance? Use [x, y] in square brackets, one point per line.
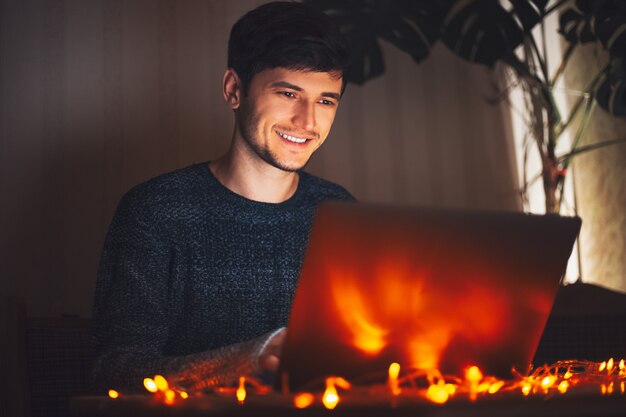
[249, 133]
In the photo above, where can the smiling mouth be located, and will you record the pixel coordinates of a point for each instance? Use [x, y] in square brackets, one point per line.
[290, 138]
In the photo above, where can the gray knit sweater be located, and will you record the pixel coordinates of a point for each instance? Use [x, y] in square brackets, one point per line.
[193, 278]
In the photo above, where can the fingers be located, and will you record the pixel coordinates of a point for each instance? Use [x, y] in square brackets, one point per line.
[270, 363]
[279, 339]
[269, 359]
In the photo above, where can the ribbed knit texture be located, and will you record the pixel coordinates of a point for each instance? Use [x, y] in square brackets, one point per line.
[193, 278]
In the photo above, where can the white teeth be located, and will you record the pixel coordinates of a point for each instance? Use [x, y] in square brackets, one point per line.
[291, 138]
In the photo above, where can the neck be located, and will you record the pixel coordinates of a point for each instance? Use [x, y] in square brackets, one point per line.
[254, 179]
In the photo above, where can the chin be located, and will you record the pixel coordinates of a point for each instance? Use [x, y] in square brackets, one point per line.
[289, 167]
[289, 163]
[286, 164]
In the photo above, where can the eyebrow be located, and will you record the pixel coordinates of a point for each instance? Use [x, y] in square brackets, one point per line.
[285, 84]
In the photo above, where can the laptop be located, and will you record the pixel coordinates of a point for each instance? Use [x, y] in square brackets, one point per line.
[427, 288]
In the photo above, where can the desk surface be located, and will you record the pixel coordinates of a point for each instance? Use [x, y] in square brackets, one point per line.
[584, 405]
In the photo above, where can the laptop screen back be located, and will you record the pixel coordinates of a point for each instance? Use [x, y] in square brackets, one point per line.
[427, 288]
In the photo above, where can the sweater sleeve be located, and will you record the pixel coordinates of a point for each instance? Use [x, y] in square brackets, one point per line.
[131, 321]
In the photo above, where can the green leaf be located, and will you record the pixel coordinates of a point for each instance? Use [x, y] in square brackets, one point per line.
[575, 23]
[588, 148]
[483, 31]
[610, 25]
[410, 25]
[611, 95]
[596, 20]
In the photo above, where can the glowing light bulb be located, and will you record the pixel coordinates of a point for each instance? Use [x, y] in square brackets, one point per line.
[437, 393]
[609, 365]
[183, 395]
[567, 375]
[113, 394]
[548, 381]
[161, 383]
[340, 382]
[150, 385]
[169, 397]
[602, 366]
[241, 390]
[493, 388]
[303, 400]
[394, 372]
[563, 386]
[330, 398]
[473, 374]
[526, 388]
[483, 387]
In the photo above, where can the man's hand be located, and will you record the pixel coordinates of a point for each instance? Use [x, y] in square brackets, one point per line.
[270, 356]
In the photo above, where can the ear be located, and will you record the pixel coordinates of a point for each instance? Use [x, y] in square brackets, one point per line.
[232, 88]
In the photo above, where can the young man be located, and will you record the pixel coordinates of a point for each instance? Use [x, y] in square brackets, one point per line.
[200, 265]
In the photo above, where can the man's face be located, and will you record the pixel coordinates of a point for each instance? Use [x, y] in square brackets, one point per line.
[287, 115]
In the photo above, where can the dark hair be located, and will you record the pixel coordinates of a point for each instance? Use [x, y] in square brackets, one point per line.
[288, 35]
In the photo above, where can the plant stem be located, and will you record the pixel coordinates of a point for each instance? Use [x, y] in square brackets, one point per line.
[540, 59]
[559, 193]
[555, 7]
[578, 105]
[582, 128]
[564, 61]
[546, 64]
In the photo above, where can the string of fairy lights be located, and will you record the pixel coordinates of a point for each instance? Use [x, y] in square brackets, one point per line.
[604, 378]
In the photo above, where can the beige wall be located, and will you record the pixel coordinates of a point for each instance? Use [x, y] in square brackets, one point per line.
[99, 95]
[600, 178]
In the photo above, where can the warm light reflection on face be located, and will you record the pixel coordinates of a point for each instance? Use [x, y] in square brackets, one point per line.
[284, 104]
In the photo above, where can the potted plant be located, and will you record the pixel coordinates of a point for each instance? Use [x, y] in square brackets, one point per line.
[486, 32]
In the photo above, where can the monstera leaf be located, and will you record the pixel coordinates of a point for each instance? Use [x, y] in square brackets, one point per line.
[575, 23]
[603, 21]
[611, 95]
[410, 25]
[596, 20]
[610, 28]
[610, 25]
[483, 31]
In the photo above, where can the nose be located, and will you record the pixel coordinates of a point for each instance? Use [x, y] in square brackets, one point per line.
[304, 116]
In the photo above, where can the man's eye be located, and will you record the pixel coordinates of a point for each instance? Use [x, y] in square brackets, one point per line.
[287, 94]
[327, 102]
